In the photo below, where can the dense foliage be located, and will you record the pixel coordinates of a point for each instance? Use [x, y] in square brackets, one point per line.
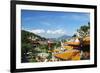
[28, 51]
[84, 30]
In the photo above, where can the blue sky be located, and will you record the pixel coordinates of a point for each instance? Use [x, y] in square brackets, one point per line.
[52, 24]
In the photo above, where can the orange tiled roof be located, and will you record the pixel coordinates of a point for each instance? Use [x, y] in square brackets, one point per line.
[56, 50]
[86, 41]
[72, 43]
[68, 47]
[69, 55]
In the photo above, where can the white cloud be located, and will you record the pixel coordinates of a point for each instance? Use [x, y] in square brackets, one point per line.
[59, 31]
[37, 31]
[49, 33]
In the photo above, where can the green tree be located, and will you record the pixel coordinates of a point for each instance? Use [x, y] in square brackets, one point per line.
[84, 30]
[74, 35]
[24, 50]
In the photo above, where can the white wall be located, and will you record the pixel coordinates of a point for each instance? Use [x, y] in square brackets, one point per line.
[5, 37]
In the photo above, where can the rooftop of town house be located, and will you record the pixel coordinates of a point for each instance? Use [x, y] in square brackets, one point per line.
[72, 54]
[86, 41]
[72, 43]
[68, 47]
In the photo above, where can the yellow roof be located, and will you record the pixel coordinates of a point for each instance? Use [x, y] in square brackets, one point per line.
[72, 43]
[86, 41]
[49, 51]
[56, 50]
[68, 47]
[73, 55]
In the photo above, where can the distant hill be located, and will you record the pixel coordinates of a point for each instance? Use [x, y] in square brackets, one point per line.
[64, 37]
[25, 35]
